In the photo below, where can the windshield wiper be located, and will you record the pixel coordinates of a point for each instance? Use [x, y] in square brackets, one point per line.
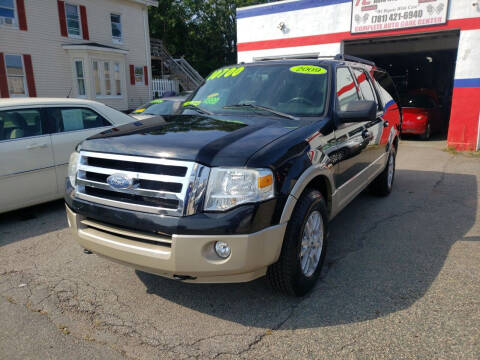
[264, 108]
[197, 109]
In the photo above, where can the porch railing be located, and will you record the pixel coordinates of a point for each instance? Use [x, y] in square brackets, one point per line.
[160, 87]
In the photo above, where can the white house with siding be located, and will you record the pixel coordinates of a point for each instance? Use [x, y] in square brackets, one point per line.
[93, 49]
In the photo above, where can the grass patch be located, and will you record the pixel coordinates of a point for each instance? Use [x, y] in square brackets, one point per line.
[453, 151]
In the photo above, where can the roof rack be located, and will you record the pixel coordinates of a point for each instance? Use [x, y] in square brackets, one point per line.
[354, 59]
[315, 56]
[287, 57]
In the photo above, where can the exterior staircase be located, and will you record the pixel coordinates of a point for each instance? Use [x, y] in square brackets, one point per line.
[188, 77]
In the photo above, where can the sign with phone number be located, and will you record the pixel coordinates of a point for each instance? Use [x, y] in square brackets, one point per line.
[384, 15]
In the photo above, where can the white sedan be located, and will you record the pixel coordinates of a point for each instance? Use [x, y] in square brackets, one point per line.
[37, 137]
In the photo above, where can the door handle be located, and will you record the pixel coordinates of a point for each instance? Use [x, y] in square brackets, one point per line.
[37, 146]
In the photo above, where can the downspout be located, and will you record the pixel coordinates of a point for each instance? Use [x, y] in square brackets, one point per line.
[147, 52]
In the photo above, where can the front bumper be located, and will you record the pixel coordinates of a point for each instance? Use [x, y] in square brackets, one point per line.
[413, 131]
[187, 257]
[414, 127]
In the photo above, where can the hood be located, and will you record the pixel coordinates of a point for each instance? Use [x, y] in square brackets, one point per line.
[212, 141]
[412, 114]
[141, 116]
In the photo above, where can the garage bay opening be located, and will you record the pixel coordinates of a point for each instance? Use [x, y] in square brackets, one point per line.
[423, 68]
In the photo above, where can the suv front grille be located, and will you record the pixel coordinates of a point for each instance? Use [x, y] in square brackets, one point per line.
[160, 186]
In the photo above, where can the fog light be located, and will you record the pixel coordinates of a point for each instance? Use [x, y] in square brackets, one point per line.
[222, 249]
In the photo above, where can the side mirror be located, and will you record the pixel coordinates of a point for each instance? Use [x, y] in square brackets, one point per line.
[358, 111]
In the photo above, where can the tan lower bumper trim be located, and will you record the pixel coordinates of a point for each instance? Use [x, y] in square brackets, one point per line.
[189, 255]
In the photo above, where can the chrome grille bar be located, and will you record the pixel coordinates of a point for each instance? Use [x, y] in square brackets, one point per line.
[136, 191]
[140, 159]
[135, 175]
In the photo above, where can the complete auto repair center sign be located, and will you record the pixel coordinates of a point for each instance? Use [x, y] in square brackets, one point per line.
[381, 15]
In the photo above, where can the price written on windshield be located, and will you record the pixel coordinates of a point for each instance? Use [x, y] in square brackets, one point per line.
[382, 15]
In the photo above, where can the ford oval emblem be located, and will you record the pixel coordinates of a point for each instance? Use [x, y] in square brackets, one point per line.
[120, 181]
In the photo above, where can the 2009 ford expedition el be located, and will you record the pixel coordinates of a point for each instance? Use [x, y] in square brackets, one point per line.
[243, 181]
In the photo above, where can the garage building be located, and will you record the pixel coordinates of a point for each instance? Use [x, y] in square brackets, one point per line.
[429, 46]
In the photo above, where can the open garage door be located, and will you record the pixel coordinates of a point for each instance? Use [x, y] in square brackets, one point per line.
[423, 68]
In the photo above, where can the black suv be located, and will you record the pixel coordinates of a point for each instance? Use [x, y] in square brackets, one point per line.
[243, 181]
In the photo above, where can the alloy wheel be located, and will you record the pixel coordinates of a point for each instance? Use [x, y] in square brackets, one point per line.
[312, 244]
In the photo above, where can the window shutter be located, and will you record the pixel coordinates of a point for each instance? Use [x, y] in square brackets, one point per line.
[145, 74]
[27, 62]
[3, 78]
[62, 19]
[83, 17]
[132, 75]
[22, 18]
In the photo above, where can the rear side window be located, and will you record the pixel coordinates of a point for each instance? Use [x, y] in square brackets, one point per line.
[346, 89]
[387, 87]
[74, 119]
[157, 107]
[21, 123]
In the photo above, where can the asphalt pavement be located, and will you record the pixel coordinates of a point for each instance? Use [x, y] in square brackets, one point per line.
[401, 281]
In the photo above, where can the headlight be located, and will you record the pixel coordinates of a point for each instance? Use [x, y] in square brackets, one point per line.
[229, 187]
[73, 167]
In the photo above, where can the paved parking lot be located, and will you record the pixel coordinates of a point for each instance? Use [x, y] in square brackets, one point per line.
[401, 282]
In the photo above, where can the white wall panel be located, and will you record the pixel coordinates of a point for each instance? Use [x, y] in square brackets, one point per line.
[462, 9]
[468, 58]
[323, 50]
[314, 21]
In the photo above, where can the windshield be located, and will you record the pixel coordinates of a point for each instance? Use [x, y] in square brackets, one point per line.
[418, 101]
[299, 90]
[156, 107]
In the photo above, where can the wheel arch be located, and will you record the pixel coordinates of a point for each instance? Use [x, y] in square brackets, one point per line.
[319, 179]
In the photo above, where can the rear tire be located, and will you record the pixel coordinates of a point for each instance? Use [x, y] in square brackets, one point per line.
[383, 184]
[304, 247]
[428, 133]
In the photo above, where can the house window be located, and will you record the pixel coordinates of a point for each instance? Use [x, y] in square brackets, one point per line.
[138, 74]
[7, 13]
[80, 77]
[96, 77]
[73, 20]
[15, 75]
[106, 75]
[116, 27]
[118, 81]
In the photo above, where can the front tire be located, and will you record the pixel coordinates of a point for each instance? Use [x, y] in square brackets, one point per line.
[304, 247]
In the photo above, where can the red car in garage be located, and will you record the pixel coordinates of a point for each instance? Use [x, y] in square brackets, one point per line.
[422, 113]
